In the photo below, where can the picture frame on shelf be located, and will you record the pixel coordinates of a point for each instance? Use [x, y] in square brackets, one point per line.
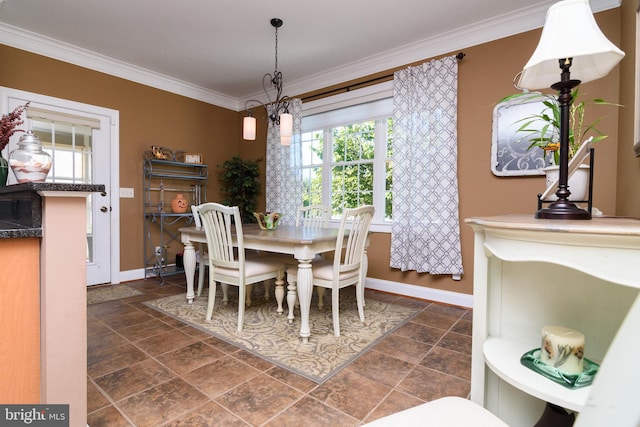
[195, 158]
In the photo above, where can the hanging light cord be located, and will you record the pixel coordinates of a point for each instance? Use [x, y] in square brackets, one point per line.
[281, 103]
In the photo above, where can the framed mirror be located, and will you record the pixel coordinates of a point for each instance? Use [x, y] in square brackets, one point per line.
[510, 153]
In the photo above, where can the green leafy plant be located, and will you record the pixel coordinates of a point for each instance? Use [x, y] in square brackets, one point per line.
[544, 127]
[241, 183]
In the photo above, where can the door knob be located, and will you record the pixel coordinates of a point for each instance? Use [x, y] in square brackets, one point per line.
[104, 209]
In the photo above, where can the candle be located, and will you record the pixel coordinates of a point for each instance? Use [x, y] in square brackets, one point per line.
[563, 348]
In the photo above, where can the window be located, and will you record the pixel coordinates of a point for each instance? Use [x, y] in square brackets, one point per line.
[347, 158]
[70, 147]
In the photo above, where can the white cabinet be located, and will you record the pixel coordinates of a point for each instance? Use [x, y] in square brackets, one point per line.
[528, 273]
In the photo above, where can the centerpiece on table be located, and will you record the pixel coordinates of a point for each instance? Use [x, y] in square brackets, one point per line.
[8, 126]
[268, 220]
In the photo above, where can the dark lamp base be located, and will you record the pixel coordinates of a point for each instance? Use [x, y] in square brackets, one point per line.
[555, 416]
[562, 209]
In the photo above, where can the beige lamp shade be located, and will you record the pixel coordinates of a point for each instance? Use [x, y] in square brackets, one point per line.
[570, 31]
[249, 128]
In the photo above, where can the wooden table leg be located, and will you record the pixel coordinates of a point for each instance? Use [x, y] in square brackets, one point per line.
[305, 289]
[279, 294]
[189, 260]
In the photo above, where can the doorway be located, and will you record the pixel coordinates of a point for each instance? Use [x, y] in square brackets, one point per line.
[83, 142]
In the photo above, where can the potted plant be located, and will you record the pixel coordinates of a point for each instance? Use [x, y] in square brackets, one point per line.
[8, 126]
[241, 183]
[543, 131]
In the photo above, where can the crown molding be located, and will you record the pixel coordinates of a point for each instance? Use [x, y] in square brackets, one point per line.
[61, 51]
[481, 32]
[498, 27]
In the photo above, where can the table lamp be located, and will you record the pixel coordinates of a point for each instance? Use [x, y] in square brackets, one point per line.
[572, 42]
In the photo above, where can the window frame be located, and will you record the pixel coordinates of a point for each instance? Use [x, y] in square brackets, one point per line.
[381, 94]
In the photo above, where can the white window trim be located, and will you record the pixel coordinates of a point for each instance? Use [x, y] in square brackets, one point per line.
[348, 99]
[384, 108]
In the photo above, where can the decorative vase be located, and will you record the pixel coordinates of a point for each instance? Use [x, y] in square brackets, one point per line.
[268, 220]
[4, 170]
[29, 162]
[179, 204]
[578, 182]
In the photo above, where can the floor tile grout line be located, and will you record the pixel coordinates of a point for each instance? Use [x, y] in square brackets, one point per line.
[266, 372]
[113, 404]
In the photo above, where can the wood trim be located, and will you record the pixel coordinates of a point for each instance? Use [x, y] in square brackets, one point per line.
[20, 321]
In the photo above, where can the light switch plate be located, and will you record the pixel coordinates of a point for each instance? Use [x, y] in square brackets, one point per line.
[126, 193]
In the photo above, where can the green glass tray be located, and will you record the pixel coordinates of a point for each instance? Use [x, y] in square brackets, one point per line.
[531, 359]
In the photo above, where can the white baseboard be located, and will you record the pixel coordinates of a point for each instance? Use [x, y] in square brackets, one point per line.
[437, 295]
[130, 275]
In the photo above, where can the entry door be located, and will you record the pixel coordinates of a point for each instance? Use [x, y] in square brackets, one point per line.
[79, 138]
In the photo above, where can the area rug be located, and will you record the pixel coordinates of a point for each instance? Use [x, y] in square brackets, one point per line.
[109, 293]
[270, 336]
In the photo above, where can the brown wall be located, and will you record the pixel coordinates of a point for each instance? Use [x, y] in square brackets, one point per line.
[150, 116]
[485, 76]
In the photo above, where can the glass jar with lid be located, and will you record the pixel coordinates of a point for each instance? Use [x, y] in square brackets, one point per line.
[29, 162]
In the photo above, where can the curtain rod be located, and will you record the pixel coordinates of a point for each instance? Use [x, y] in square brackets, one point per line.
[351, 87]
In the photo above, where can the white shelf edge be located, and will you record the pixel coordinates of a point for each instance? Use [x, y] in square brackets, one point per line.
[503, 358]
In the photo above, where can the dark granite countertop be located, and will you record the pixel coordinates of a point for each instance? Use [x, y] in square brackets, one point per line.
[48, 186]
[21, 206]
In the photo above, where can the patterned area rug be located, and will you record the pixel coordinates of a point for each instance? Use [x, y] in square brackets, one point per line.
[109, 293]
[270, 336]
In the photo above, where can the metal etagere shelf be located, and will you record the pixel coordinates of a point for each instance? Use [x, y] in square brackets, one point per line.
[162, 181]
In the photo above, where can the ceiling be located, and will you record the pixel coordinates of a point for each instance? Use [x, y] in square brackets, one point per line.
[217, 51]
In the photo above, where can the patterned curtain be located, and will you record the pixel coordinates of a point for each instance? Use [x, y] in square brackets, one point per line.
[284, 172]
[426, 231]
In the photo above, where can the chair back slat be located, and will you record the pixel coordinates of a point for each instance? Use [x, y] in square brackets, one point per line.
[196, 216]
[313, 216]
[357, 222]
[223, 229]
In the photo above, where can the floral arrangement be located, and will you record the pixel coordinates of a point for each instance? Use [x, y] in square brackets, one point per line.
[9, 123]
[544, 128]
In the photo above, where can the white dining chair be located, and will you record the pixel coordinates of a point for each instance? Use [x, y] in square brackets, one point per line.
[227, 261]
[203, 261]
[313, 216]
[346, 268]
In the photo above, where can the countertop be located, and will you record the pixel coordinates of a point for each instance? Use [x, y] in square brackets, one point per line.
[21, 206]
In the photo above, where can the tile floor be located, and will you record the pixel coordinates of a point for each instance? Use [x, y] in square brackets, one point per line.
[148, 369]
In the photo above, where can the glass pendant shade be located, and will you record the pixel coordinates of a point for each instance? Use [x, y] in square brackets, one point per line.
[270, 83]
[285, 140]
[570, 31]
[249, 128]
[286, 125]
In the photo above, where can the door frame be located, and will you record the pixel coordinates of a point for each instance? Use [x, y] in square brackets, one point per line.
[114, 154]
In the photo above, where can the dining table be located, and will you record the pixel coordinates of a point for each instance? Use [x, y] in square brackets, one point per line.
[302, 243]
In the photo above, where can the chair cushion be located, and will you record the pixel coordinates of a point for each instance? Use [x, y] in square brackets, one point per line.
[251, 268]
[323, 270]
